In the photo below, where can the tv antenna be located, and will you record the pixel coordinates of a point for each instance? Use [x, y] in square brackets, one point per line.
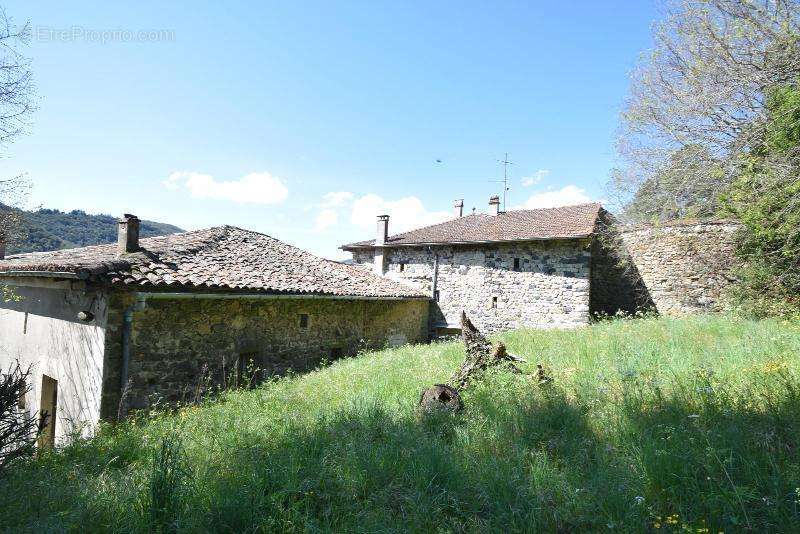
[505, 163]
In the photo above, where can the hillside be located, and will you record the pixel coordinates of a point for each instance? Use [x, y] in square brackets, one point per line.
[47, 229]
[650, 425]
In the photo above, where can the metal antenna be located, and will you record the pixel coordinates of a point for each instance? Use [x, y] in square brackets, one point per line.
[505, 163]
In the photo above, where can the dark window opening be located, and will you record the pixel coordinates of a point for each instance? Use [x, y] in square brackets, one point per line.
[21, 398]
[402, 267]
[516, 264]
[436, 295]
[303, 320]
[494, 302]
[336, 353]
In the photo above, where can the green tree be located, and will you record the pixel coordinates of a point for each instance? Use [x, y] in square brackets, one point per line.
[766, 199]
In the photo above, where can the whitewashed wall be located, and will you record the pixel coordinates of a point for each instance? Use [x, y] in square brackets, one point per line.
[42, 328]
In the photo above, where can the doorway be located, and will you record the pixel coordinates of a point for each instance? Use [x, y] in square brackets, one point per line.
[47, 409]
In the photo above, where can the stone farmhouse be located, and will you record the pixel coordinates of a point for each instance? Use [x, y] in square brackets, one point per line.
[549, 268]
[111, 327]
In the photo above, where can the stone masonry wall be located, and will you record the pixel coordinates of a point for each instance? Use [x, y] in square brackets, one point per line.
[173, 339]
[550, 289]
[684, 266]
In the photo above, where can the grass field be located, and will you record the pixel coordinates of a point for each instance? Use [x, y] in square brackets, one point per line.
[660, 425]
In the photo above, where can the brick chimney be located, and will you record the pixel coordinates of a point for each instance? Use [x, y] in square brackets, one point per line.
[494, 205]
[128, 234]
[459, 207]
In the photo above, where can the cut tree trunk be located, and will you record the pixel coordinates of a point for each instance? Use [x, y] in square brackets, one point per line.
[481, 355]
[440, 397]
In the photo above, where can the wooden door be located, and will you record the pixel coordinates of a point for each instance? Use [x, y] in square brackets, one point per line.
[47, 408]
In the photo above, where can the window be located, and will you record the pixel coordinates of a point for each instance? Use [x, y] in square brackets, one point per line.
[494, 302]
[303, 320]
[436, 295]
[21, 399]
[516, 264]
[402, 267]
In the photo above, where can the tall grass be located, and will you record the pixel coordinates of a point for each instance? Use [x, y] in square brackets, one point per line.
[649, 425]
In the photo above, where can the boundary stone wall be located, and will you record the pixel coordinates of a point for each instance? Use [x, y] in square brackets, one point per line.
[684, 266]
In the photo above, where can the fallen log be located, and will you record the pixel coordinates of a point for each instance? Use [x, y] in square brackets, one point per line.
[480, 356]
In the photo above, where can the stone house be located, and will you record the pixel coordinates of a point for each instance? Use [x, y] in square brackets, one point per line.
[111, 327]
[543, 268]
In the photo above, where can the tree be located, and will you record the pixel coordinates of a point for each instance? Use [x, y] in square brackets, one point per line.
[16, 107]
[19, 428]
[765, 197]
[688, 186]
[712, 126]
[704, 88]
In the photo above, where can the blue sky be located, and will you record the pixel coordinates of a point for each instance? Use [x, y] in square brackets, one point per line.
[304, 120]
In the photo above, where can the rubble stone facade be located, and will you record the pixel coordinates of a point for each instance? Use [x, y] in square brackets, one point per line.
[172, 341]
[684, 266]
[538, 284]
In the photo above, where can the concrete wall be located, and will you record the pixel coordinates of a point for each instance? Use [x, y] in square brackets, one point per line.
[684, 266]
[550, 290]
[42, 328]
[173, 339]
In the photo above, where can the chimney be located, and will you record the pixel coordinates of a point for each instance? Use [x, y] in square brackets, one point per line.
[494, 205]
[459, 206]
[383, 230]
[128, 234]
[380, 240]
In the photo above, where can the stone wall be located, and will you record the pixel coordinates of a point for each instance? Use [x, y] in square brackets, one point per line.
[41, 328]
[172, 340]
[550, 287]
[684, 266]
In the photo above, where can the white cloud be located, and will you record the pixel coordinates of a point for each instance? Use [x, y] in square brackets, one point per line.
[256, 187]
[537, 177]
[325, 219]
[336, 199]
[566, 196]
[405, 213]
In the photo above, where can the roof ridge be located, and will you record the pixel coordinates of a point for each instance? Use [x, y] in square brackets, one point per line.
[581, 205]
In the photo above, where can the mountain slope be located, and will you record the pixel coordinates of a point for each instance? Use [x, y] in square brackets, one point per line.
[47, 229]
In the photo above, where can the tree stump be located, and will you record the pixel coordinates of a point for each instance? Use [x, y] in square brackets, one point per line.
[481, 355]
[440, 397]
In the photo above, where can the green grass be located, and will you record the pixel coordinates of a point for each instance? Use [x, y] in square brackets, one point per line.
[650, 425]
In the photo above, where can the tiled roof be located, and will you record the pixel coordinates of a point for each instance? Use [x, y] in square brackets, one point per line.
[567, 222]
[217, 259]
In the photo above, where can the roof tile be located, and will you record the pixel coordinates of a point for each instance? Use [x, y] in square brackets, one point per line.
[567, 222]
[225, 258]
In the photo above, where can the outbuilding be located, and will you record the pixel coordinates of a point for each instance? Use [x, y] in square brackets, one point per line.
[110, 328]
